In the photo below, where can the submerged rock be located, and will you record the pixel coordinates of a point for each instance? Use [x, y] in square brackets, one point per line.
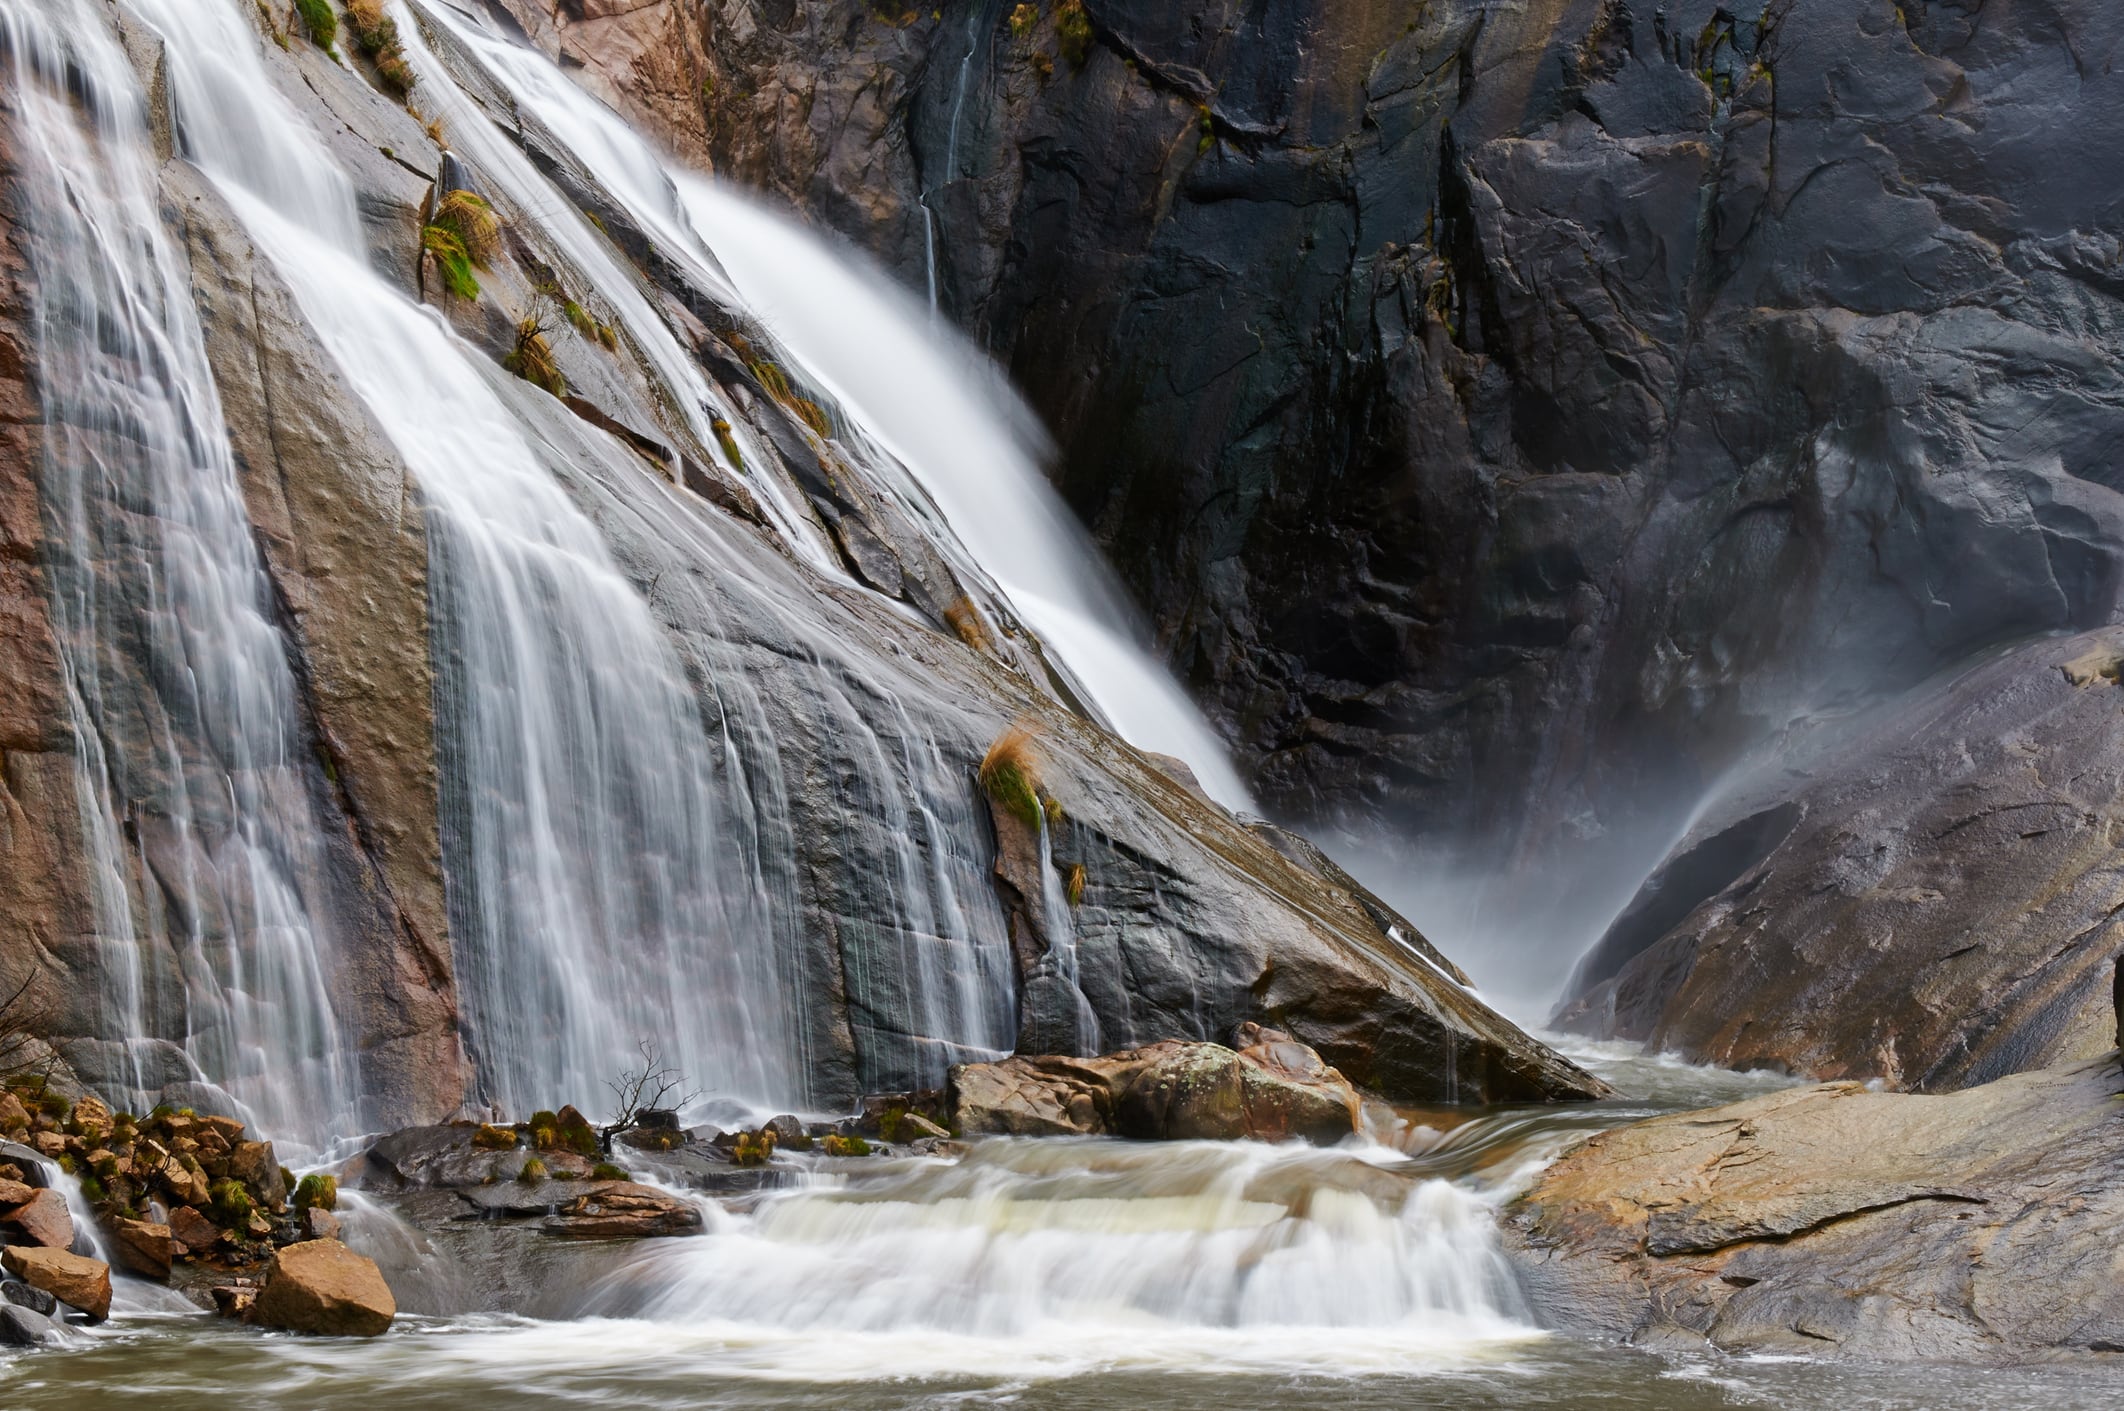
[321, 1286]
[74, 1280]
[20, 1327]
[1834, 1220]
[1274, 1090]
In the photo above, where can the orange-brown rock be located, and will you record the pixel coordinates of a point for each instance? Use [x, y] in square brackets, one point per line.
[77, 1282]
[321, 1286]
[14, 1117]
[625, 1210]
[192, 1230]
[42, 1219]
[143, 1248]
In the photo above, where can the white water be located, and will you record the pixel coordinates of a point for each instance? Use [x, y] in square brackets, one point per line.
[591, 897]
[926, 401]
[190, 770]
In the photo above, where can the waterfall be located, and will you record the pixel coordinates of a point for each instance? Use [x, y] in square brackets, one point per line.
[924, 403]
[213, 954]
[594, 897]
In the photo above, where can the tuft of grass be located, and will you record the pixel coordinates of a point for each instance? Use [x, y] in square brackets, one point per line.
[776, 383]
[609, 336]
[753, 1148]
[534, 1171]
[1010, 775]
[318, 19]
[963, 618]
[474, 224]
[231, 1202]
[728, 442]
[1073, 32]
[376, 36]
[606, 1171]
[1073, 884]
[545, 1130]
[837, 1145]
[451, 259]
[583, 323]
[437, 133]
[316, 1191]
[1023, 19]
[532, 358]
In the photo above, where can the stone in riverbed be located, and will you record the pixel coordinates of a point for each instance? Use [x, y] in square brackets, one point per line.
[140, 1247]
[625, 1210]
[321, 1286]
[19, 1327]
[77, 1282]
[23, 1295]
[319, 1224]
[1276, 1090]
[43, 1219]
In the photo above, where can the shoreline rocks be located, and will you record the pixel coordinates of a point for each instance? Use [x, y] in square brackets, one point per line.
[75, 1281]
[321, 1286]
[1834, 1221]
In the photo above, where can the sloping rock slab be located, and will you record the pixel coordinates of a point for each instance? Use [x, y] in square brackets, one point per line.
[1834, 1220]
[77, 1282]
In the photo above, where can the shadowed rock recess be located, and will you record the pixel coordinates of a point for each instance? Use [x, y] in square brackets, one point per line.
[1450, 380]
[838, 700]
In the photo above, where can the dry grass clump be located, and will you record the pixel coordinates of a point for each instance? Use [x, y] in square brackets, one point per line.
[376, 36]
[776, 383]
[965, 619]
[728, 442]
[1073, 32]
[1010, 775]
[473, 222]
[532, 358]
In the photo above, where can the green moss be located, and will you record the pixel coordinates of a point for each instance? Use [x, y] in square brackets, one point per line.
[545, 1130]
[1073, 32]
[452, 261]
[316, 1191]
[837, 1145]
[729, 444]
[606, 1171]
[231, 1202]
[582, 322]
[317, 17]
[534, 1171]
[92, 1190]
[576, 1133]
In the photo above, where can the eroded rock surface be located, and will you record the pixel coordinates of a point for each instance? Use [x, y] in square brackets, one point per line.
[1933, 902]
[1834, 1220]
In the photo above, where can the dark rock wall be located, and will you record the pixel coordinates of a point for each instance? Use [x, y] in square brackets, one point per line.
[1507, 411]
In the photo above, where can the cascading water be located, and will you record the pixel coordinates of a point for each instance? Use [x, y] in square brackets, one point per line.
[190, 768]
[591, 888]
[922, 404]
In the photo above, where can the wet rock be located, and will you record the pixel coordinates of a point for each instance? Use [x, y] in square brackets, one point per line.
[142, 1247]
[789, 1133]
[235, 1300]
[1978, 1226]
[321, 1286]
[1173, 1091]
[1928, 898]
[625, 1210]
[19, 1327]
[73, 1280]
[317, 1224]
[43, 1219]
[28, 1296]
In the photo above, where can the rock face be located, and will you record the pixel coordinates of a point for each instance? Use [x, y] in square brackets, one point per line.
[1978, 1226]
[76, 1281]
[321, 1286]
[1932, 901]
[1448, 386]
[42, 1219]
[143, 1247]
[1273, 1090]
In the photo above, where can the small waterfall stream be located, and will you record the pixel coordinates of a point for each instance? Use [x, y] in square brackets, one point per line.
[215, 959]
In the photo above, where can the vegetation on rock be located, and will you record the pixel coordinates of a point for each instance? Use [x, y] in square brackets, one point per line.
[1010, 775]
[532, 358]
[318, 19]
[376, 36]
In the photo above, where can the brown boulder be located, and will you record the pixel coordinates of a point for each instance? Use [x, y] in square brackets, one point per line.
[185, 1185]
[142, 1248]
[14, 1117]
[14, 1193]
[193, 1230]
[42, 1219]
[625, 1210]
[321, 1286]
[1029, 1097]
[91, 1118]
[77, 1282]
[319, 1224]
[1290, 1091]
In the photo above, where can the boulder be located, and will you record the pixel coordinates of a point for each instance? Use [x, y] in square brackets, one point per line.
[234, 1300]
[625, 1210]
[43, 1219]
[1977, 1226]
[14, 1193]
[321, 1286]
[317, 1224]
[19, 1327]
[192, 1230]
[28, 1296]
[14, 1117]
[73, 1280]
[90, 1118]
[1278, 1089]
[142, 1247]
